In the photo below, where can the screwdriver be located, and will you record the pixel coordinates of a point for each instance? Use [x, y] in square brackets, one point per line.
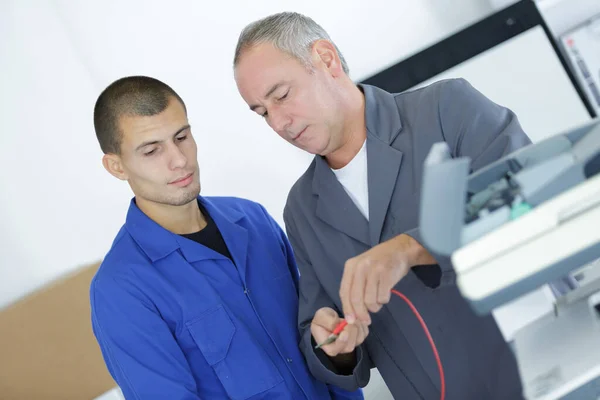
[334, 335]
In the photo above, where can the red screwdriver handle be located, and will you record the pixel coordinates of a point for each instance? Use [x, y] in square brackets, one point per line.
[340, 327]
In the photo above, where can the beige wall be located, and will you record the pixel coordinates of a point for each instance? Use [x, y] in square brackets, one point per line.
[47, 348]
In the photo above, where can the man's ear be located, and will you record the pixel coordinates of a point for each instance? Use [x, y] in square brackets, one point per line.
[114, 165]
[325, 54]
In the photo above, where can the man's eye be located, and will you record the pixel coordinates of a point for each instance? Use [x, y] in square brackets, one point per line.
[149, 153]
[284, 96]
[182, 138]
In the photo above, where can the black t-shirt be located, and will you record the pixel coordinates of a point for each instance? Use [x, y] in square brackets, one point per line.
[210, 236]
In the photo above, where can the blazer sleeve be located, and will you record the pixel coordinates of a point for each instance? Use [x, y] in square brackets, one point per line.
[312, 297]
[473, 126]
[139, 350]
[476, 127]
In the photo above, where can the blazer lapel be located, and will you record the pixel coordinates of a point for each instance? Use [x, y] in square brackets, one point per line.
[335, 207]
[383, 123]
[383, 163]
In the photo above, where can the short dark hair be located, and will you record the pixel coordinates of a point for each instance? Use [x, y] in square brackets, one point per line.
[131, 95]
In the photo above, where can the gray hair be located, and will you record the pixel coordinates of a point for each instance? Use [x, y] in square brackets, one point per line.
[290, 32]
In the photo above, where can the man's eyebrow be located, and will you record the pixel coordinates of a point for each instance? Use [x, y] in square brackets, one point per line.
[150, 142]
[273, 88]
[269, 93]
[183, 128]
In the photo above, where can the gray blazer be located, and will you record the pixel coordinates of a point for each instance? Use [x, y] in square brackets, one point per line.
[326, 228]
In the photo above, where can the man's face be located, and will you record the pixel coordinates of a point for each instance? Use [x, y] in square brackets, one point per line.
[158, 157]
[297, 103]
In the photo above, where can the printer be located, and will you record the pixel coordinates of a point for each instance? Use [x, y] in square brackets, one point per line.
[528, 219]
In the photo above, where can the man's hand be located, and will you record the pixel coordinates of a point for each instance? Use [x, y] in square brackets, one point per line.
[369, 277]
[323, 324]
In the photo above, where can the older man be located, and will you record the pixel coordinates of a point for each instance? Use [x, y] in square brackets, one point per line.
[352, 217]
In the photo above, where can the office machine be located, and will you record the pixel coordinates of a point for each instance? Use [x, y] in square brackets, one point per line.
[559, 354]
[528, 219]
[582, 47]
[522, 221]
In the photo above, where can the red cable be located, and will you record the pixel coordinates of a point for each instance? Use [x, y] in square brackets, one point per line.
[435, 352]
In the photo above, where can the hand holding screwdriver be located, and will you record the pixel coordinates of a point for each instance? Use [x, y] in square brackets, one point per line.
[334, 335]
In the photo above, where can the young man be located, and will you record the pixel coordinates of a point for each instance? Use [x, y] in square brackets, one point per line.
[352, 216]
[197, 297]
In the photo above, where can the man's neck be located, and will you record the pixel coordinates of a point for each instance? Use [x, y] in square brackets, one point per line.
[354, 132]
[177, 219]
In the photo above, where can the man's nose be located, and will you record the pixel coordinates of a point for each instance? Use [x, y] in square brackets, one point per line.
[279, 121]
[178, 159]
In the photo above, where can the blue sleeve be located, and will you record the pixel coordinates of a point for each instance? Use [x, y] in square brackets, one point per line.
[336, 392]
[341, 394]
[286, 247]
[138, 348]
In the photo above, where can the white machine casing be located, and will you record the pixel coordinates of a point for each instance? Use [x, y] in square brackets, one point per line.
[559, 354]
[529, 219]
[559, 235]
[500, 252]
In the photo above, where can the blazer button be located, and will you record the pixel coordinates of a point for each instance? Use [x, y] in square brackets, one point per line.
[289, 360]
[246, 290]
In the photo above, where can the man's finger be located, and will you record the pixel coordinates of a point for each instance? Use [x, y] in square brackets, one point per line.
[353, 334]
[345, 285]
[372, 291]
[319, 333]
[357, 294]
[362, 333]
[337, 347]
[332, 349]
[386, 284]
[384, 291]
[346, 342]
[326, 318]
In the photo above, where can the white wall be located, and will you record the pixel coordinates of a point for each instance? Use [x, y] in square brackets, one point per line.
[563, 15]
[59, 208]
[560, 15]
